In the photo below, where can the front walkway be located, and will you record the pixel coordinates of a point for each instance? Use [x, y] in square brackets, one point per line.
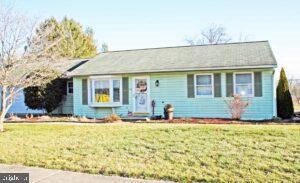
[42, 175]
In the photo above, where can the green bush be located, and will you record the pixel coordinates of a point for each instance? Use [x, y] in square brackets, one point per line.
[285, 108]
[46, 97]
[54, 93]
[34, 98]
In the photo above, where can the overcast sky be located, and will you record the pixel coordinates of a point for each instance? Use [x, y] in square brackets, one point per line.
[156, 23]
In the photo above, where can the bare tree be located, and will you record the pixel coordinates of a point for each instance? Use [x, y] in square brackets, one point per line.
[214, 34]
[294, 85]
[243, 37]
[104, 48]
[24, 56]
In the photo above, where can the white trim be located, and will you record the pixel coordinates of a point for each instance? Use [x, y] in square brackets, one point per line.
[91, 88]
[148, 93]
[105, 77]
[89, 91]
[252, 84]
[212, 85]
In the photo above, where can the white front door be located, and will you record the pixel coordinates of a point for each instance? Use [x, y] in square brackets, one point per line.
[141, 100]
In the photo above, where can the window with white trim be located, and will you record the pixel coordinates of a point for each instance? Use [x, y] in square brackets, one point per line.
[243, 84]
[106, 91]
[204, 85]
[70, 87]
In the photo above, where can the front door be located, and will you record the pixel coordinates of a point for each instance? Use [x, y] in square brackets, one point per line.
[141, 99]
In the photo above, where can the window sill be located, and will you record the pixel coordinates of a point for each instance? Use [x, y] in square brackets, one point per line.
[204, 96]
[105, 105]
[246, 96]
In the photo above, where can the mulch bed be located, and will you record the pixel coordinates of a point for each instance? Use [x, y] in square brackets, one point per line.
[197, 121]
[53, 119]
[174, 121]
[219, 121]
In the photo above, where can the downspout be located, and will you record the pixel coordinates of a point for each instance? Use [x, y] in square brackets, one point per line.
[274, 95]
[113, 110]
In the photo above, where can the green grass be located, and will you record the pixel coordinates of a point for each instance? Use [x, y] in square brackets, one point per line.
[179, 152]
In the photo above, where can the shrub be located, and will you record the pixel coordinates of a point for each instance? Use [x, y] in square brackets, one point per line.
[112, 118]
[46, 97]
[34, 98]
[285, 108]
[237, 106]
[54, 92]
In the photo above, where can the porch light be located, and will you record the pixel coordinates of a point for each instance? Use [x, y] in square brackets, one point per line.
[156, 83]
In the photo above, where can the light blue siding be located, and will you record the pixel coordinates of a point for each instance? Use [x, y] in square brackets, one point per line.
[66, 106]
[93, 112]
[19, 106]
[173, 89]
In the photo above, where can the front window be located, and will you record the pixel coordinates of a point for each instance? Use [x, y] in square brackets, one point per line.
[244, 84]
[106, 91]
[204, 85]
[101, 92]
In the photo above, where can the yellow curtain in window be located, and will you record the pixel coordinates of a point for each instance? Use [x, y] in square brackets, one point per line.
[102, 98]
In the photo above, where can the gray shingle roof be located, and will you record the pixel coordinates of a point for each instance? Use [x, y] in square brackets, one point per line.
[183, 58]
[65, 66]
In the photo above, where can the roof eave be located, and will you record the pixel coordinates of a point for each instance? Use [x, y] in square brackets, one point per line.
[180, 70]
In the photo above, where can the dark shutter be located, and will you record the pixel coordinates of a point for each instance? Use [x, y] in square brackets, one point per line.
[190, 86]
[84, 92]
[125, 92]
[257, 84]
[217, 85]
[229, 84]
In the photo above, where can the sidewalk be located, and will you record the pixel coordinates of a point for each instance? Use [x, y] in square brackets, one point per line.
[42, 175]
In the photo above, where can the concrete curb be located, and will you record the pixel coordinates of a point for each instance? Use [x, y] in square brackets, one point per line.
[42, 175]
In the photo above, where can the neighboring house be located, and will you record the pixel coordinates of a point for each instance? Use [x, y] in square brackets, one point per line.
[194, 79]
[19, 107]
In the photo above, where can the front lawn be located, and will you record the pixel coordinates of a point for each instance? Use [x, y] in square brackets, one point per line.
[179, 152]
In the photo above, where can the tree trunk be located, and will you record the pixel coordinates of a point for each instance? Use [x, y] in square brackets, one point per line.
[1, 124]
[3, 108]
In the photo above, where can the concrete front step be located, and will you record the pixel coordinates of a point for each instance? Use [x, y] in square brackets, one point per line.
[135, 118]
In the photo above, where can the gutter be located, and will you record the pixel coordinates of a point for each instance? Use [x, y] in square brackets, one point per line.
[180, 70]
